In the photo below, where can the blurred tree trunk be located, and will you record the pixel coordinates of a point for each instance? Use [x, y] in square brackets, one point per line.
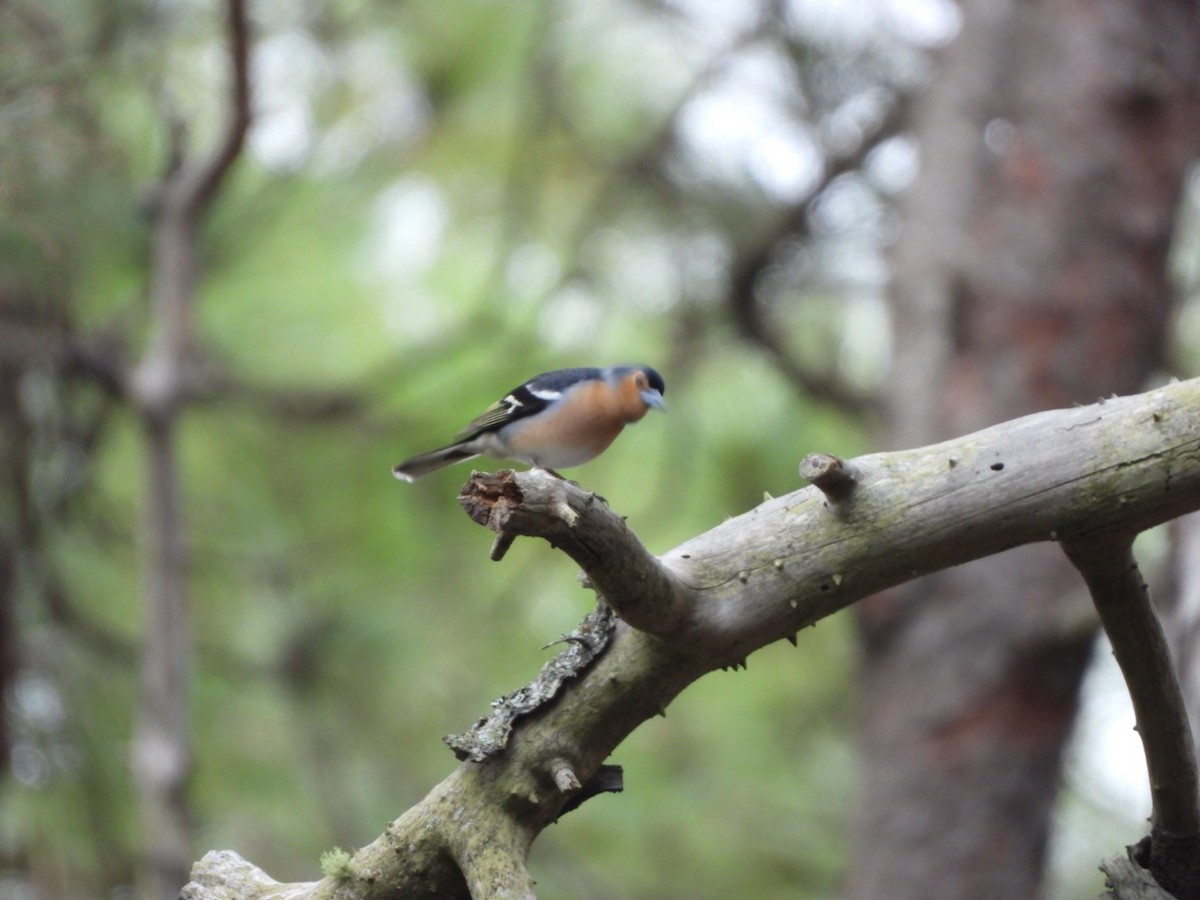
[159, 387]
[162, 744]
[1030, 273]
[12, 469]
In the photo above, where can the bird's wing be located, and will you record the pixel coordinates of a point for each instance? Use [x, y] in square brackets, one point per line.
[500, 413]
[527, 400]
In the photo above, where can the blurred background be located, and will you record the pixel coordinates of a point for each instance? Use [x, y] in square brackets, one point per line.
[836, 226]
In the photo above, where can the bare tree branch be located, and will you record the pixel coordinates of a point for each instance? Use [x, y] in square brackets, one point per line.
[158, 382]
[620, 568]
[746, 307]
[1138, 643]
[1089, 474]
[1127, 880]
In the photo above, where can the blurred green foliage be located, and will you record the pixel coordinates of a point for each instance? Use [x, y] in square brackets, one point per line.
[408, 236]
[434, 206]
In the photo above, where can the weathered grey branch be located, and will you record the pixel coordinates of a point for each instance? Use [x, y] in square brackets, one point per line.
[494, 863]
[1140, 648]
[1127, 880]
[630, 579]
[1099, 472]
[1138, 643]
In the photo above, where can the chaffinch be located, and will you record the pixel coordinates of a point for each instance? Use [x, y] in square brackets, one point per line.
[553, 421]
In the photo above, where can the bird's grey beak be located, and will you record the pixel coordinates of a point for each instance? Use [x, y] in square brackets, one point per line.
[654, 399]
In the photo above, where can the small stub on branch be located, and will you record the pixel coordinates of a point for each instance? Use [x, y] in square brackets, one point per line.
[833, 476]
[608, 779]
[500, 545]
[564, 776]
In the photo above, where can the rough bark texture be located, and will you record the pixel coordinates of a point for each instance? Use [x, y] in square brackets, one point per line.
[748, 582]
[1030, 272]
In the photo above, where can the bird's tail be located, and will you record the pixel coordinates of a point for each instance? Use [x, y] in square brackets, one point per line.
[423, 464]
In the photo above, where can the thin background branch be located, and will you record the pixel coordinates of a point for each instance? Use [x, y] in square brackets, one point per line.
[162, 742]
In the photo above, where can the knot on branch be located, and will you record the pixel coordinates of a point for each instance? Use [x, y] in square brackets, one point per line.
[831, 475]
[1174, 861]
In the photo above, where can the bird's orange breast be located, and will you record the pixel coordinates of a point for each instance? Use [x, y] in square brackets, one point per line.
[578, 429]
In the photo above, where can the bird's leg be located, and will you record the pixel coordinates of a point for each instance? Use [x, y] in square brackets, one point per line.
[592, 495]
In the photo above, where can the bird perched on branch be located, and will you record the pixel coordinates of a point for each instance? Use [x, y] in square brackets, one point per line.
[553, 421]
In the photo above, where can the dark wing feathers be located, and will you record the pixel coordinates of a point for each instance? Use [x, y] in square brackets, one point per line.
[527, 400]
[499, 413]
